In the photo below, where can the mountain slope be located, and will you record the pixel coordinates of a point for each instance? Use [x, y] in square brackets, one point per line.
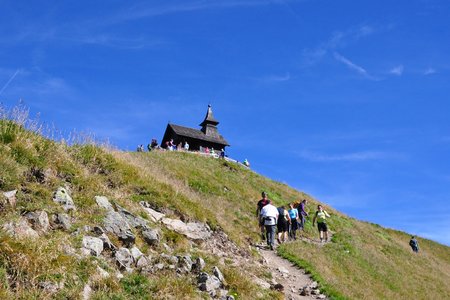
[363, 261]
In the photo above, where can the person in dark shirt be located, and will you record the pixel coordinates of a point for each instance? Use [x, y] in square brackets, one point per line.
[414, 244]
[261, 203]
[302, 214]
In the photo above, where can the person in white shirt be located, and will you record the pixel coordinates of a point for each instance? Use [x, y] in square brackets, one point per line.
[269, 213]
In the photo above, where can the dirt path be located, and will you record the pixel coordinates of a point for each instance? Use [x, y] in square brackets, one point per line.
[292, 278]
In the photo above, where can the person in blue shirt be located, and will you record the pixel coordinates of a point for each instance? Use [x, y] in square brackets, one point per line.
[293, 226]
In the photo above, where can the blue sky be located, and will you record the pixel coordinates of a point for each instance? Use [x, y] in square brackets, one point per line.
[345, 100]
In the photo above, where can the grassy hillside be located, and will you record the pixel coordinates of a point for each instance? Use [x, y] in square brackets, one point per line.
[363, 261]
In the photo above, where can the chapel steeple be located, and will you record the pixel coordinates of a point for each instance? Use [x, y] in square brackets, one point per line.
[209, 124]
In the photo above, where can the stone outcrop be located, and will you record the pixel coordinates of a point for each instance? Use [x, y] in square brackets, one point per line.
[152, 214]
[117, 225]
[103, 202]
[193, 231]
[151, 236]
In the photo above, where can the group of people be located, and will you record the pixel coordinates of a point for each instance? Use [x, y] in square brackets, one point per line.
[286, 221]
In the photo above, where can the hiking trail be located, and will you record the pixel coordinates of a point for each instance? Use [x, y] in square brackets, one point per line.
[287, 277]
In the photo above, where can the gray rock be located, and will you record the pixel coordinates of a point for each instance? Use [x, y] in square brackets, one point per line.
[159, 266]
[124, 258]
[315, 292]
[136, 253]
[321, 297]
[49, 287]
[305, 291]
[185, 263]
[103, 202]
[314, 285]
[62, 197]
[142, 262]
[134, 221]
[93, 244]
[87, 291]
[63, 220]
[193, 231]
[153, 214]
[199, 265]
[20, 229]
[11, 197]
[116, 224]
[107, 244]
[218, 274]
[39, 220]
[207, 283]
[151, 236]
[283, 270]
[102, 274]
[170, 258]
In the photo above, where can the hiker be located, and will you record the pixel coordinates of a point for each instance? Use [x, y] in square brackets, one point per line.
[186, 146]
[269, 214]
[261, 203]
[140, 148]
[293, 214]
[321, 216]
[154, 144]
[246, 163]
[302, 214]
[414, 244]
[222, 153]
[283, 224]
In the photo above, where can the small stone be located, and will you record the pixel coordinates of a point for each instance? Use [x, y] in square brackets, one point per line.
[208, 283]
[93, 244]
[11, 197]
[102, 273]
[136, 253]
[278, 287]
[64, 221]
[185, 263]
[315, 292]
[142, 262]
[20, 229]
[159, 266]
[39, 220]
[87, 291]
[103, 202]
[305, 291]
[124, 258]
[62, 197]
[49, 287]
[199, 265]
[314, 285]
[153, 214]
[283, 270]
[107, 244]
[321, 297]
[218, 274]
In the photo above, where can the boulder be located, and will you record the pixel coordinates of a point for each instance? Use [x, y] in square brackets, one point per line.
[153, 214]
[218, 274]
[207, 283]
[93, 244]
[20, 229]
[199, 265]
[134, 221]
[39, 220]
[87, 291]
[103, 202]
[116, 224]
[124, 258]
[11, 197]
[193, 231]
[151, 236]
[62, 197]
[63, 220]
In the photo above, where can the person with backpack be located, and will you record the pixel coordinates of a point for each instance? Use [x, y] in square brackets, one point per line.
[321, 216]
[283, 224]
[293, 215]
[269, 214]
[259, 206]
[414, 244]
